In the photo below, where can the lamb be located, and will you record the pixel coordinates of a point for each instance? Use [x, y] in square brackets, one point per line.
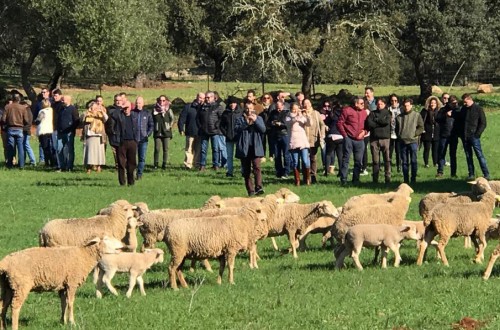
[78, 231]
[370, 199]
[392, 213]
[134, 263]
[130, 238]
[493, 232]
[293, 219]
[450, 219]
[374, 235]
[213, 237]
[62, 269]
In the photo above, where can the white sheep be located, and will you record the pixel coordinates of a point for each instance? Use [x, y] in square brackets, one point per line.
[321, 226]
[374, 235]
[62, 269]
[219, 237]
[457, 219]
[128, 262]
[143, 207]
[130, 238]
[370, 199]
[218, 202]
[77, 231]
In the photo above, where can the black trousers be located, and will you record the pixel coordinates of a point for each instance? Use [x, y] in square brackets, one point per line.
[127, 161]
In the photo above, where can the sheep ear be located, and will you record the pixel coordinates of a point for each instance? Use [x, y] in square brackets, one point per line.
[280, 201]
[219, 204]
[139, 223]
[94, 240]
[472, 182]
[404, 228]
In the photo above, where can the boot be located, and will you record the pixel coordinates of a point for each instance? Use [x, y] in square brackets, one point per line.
[296, 175]
[307, 176]
[313, 179]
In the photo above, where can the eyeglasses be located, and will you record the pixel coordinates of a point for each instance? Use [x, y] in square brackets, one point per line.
[163, 100]
[394, 100]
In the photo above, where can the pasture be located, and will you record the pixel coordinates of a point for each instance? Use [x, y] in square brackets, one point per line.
[283, 293]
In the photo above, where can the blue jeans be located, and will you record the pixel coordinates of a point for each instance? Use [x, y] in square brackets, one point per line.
[282, 158]
[350, 146]
[302, 154]
[40, 152]
[66, 150]
[215, 141]
[142, 148]
[15, 139]
[409, 154]
[230, 156]
[220, 148]
[28, 150]
[470, 144]
[54, 149]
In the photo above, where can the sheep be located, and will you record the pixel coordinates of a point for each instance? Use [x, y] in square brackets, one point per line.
[374, 235]
[321, 226]
[134, 263]
[392, 213]
[143, 207]
[130, 238]
[218, 202]
[43, 269]
[370, 199]
[450, 219]
[213, 237]
[493, 232]
[77, 231]
[293, 219]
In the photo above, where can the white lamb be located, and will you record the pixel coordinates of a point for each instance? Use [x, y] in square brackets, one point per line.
[374, 235]
[62, 269]
[134, 263]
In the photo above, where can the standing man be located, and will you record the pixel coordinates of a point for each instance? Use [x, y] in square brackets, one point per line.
[227, 127]
[123, 138]
[409, 126]
[447, 136]
[144, 130]
[68, 120]
[208, 120]
[379, 125]
[57, 106]
[370, 105]
[116, 107]
[252, 98]
[15, 117]
[278, 133]
[351, 125]
[188, 126]
[474, 126]
[45, 96]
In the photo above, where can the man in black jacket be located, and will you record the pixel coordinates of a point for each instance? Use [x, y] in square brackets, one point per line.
[379, 125]
[474, 121]
[279, 134]
[208, 120]
[68, 120]
[188, 126]
[227, 124]
[447, 136]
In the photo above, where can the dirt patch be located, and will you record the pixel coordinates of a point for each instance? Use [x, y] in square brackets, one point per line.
[468, 323]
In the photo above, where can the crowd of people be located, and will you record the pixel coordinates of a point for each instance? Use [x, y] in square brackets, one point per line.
[285, 129]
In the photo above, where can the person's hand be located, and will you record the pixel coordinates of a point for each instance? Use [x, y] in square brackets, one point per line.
[449, 113]
[361, 135]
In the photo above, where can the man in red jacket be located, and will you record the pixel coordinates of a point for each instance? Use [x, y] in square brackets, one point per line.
[351, 126]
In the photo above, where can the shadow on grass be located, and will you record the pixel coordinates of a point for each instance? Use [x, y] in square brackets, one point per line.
[329, 266]
[76, 182]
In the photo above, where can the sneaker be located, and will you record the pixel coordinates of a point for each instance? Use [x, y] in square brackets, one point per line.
[259, 191]
[251, 193]
[138, 177]
[471, 177]
[426, 165]
[229, 175]
[439, 175]
[284, 177]
[365, 172]
[447, 164]
[263, 160]
[454, 176]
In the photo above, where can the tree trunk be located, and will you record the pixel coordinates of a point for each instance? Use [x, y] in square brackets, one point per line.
[307, 78]
[219, 68]
[26, 67]
[57, 76]
[423, 80]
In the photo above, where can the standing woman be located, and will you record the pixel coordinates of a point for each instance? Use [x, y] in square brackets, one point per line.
[44, 130]
[316, 135]
[297, 121]
[395, 110]
[334, 140]
[93, 143]
[430, 136]
[249, 130]
[163, 118]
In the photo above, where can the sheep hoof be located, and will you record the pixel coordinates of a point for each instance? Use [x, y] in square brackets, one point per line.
[98, 295]
[191, 270]
[128, 295]
[478, 261]
[175, 289]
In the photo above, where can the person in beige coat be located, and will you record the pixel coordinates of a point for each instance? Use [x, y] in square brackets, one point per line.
[316, 136]
[297, 121]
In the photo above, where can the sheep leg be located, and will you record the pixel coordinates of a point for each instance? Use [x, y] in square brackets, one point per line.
[222, 265]
[193, 266]
[494, 255]
[355, 257]
[325, 238]
[253, 257]
[173, 268]
[131, 284]
[291, 238]
[384, 255]
[70, 295]
[441, 245]
[482, 245]
[64, 305]
[230, 263]
[339, 263]
[397, 256]
[428, 237]
[17, 302]
[467, 242]
[180, 274]
[140, 282]
[377, 251]
[275, 246]
[473, 239]
[96, 274]
[108, 276]
[207, 266]
[7, 296]
[98, 284]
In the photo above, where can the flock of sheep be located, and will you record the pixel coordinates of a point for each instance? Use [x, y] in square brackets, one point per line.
[106, 243]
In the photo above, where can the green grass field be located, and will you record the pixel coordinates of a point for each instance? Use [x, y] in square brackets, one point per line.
[283, 293]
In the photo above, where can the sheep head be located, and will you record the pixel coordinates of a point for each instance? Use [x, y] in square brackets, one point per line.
[134, 223]
[479, 186]
[159, 254]
[327, 209]
[288, 195]
[404, 188]
[142, 206]
[409, 232]
[106, 244]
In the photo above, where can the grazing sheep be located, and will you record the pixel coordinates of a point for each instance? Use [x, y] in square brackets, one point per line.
[391, 213]
[219, 237]
[450, 219]
[78, 231]
[370, 199]
[39, 269]
[134, 263]
[293, 219]
[374, 235]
